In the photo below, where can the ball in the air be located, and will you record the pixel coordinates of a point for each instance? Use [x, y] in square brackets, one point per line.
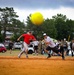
[37, 18]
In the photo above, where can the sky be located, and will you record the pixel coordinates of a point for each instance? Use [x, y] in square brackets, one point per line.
[48, 8]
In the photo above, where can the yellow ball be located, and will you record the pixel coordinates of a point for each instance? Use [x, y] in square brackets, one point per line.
[37, 18]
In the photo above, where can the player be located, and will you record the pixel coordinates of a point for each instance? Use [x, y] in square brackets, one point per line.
[51, 46]
[27, 38]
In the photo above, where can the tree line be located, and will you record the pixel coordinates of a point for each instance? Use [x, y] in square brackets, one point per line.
[59, 27]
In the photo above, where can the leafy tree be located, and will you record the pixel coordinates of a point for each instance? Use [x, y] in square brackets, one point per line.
[64, 26]
[58, 27]
[61, 26]
[6, 16]
[70, 30]
[17, 28]
[49, 28]
[9, 21]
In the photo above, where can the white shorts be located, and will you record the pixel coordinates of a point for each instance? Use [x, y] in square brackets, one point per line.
[25, 46]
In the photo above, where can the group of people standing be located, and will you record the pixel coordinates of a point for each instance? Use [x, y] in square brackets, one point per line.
[61, 47]
[65, 47]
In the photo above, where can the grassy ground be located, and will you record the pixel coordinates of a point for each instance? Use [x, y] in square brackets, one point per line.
[14, 53]
[10, 64]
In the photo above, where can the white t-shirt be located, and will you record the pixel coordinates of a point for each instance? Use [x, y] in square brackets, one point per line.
[51, 43]
[35, 43]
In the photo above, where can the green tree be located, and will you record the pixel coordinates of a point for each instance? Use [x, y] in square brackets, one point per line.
[61, 26]
[6, 16]
[49, 28]
[58, 27]
[70, 31]
[9, 22]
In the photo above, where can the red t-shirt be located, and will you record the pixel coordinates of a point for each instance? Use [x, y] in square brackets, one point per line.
[28, 37]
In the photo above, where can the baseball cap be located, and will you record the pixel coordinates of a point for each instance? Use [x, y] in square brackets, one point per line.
[44, 34]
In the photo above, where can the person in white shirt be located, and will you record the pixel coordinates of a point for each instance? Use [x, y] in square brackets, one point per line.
[51, 46]
[35, 44]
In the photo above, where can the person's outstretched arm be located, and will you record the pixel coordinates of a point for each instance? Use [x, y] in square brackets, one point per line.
[19, 38]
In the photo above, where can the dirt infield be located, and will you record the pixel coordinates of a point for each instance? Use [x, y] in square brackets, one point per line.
[36, 65]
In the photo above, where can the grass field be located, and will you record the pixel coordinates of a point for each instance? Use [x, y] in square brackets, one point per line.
[10, 64]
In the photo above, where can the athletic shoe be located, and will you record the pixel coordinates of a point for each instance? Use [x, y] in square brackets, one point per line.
[18, 56]
[63, 57]
[26, 56]
[48, 56]
[72, 54]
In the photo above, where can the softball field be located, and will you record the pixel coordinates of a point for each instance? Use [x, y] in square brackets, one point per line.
[10, 64]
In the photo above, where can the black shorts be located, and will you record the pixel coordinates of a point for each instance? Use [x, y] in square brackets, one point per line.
[65, 48]
[35, 47]
[10, 47]
[55, 49]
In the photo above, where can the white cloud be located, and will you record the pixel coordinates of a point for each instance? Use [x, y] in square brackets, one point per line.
[47, 13]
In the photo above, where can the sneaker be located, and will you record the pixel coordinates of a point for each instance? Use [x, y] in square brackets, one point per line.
[72, 54]
[48, 56]
[63, 57]
[26, 56]
[18, 56]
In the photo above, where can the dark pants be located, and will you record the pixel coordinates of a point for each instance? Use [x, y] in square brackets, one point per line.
[54, 49]
[62, 51]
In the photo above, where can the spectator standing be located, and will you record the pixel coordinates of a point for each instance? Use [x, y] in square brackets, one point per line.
[10, 46]
[35, 45]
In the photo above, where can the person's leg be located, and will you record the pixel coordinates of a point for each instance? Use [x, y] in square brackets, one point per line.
[26, 49]
[10, 51]
[26, 52]
[10, 48]
[72, 53]
[63, 54]
[49, 55]
[60, 53]
[36, 49]
[48, 52]
[19, 55]
[65, 51]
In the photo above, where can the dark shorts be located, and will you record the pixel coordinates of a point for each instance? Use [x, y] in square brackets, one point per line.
[35, 47]
[65, 48]
[10, 47]
[55, 49]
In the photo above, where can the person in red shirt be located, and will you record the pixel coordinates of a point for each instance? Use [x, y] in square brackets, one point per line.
[28, 37]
